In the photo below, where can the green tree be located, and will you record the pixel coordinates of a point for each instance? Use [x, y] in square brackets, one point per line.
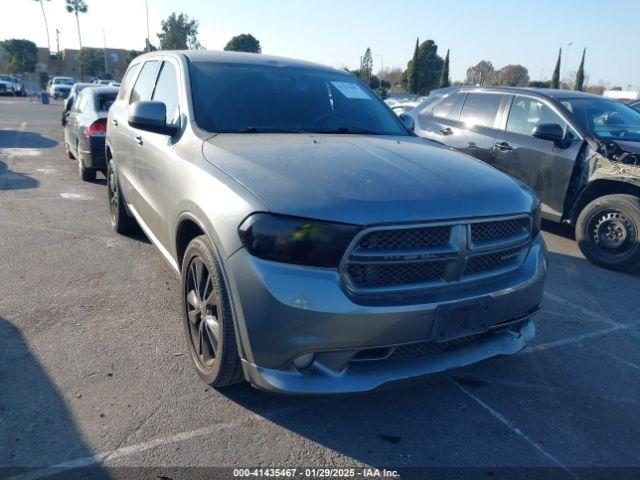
[424, 69]
[179, 32]
[580, 75]
[480, 73]
[511, 75]
[444, 73]
[77, 7]
[46, 25]
[245, 42]
[22, 55]
[411, 76]
[131, 54]
[366, 67]
[91, 60]
[555, 77]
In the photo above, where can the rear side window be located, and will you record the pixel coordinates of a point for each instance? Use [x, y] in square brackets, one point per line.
[80, 103]
[526, 113]
[144, 84]
[105, 101]
[166, 91]
[127, 80]
[481, 109]
[449, 107]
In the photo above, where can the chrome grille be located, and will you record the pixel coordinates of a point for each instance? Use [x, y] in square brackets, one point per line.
[399, 258]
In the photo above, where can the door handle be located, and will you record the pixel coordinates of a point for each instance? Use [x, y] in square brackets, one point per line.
[446, 131]
[138, 139]
[504, 146]
[114, 121]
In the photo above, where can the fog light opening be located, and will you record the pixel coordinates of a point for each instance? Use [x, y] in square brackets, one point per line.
[304, 361]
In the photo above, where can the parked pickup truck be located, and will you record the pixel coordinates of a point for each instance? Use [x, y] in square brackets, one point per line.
[579, 152]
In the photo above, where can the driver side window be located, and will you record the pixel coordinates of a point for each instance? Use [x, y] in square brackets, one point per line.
[526, 113]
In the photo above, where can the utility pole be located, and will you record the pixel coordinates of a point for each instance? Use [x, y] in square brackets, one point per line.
[148, 45]
[566, 60]
[58, 50]
[381, 69]
[104, 44]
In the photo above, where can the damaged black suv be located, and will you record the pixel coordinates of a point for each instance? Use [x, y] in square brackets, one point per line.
[579, 152]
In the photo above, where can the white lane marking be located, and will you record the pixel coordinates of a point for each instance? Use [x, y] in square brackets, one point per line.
[615, 357]
[57, 230]
[154, 443]
[20, 152]
[502, 419]
[75, 196]
[578, 338]
[577, 308]
[46, 170]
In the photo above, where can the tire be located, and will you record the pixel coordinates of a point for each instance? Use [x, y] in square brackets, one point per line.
[208, 327]
[86, 174]
[608, 232]
[68, 150]
[121, 221]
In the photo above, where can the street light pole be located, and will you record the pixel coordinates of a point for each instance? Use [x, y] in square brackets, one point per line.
[381, 69]
[58, 50]
[148, 45]
[566, 60]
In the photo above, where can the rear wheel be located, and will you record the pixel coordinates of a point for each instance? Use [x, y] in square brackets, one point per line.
[121, 221]
[208, 322]
[86, 174]
[608, 232]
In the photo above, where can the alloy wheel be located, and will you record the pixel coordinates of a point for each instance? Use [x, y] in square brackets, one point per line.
[202, 313]
[112, 190]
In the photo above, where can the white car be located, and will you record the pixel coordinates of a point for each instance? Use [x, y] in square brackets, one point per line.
[9, 85]
[59, 87]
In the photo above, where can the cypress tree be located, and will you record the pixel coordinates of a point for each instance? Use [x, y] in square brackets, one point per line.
[444, 73]
[555, 78]
[580, 75]
[412, 74]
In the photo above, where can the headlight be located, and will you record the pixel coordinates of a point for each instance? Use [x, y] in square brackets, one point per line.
[536, 222]
[296, 240]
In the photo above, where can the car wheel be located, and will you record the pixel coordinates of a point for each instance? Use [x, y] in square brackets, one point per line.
[208, 321]
[121, 221]
[608, 232]
[86, 174]
[68, 150]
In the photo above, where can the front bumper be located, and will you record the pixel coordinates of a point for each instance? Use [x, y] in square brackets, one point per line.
[284, 311]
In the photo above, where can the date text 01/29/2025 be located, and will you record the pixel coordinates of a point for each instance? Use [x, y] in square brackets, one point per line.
[315, 472]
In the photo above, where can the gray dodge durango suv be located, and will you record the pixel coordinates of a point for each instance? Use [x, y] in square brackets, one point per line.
[321, 246]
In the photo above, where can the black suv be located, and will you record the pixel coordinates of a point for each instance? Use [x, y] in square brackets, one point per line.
[579, 152]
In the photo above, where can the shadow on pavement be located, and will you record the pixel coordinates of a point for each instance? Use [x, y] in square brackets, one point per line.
[36, 428]
[10, 180]
[24, 139]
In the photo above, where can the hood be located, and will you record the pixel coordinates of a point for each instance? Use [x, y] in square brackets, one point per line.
[63, 87]
[629, 146]
[364, 179]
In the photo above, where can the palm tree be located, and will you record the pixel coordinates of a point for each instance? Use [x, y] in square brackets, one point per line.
[77, 7]
[46, 25]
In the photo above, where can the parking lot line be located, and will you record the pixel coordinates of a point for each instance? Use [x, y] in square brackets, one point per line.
[502, 419]
[579, 308]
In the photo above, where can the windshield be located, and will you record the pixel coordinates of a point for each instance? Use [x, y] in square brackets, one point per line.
[265, 99]
[63, 81]
[605, 119]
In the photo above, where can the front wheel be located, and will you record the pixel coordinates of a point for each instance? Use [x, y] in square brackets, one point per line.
[207, 317]
[607, 231]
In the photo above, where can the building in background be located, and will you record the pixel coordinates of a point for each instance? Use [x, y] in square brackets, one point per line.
[67, 65]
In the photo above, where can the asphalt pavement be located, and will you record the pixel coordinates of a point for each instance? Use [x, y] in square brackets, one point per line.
[94, 369]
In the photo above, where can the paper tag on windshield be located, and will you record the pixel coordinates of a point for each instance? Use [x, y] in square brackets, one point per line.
[350, 90]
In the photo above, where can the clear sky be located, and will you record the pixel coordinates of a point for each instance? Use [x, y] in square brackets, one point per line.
[337, 32]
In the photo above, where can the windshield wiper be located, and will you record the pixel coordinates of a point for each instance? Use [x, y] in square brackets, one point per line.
[270, 130]
[353, 130]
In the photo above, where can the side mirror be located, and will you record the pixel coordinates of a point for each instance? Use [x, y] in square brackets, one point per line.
[550, 131]
[408, 121]
[151, 117]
